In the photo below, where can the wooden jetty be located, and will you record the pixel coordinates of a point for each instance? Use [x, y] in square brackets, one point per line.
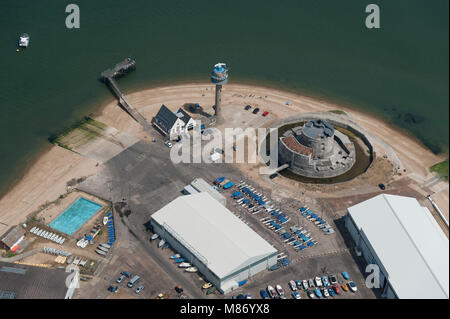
[108, 76]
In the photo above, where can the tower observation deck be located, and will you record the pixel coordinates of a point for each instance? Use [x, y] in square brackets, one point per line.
[219, 77]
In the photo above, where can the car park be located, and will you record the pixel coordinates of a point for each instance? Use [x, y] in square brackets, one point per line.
[272, 292]
[120, 279]
[352, 286]
[296, 295]
[293, 285]
[264, 294]
[139, 289]
[256, 110]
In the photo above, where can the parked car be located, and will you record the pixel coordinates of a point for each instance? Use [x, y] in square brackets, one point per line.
[139, 289]
[325, 281]
[299, 284]
[311, 283]
[126, 274]
[352, 286]
[296, 295]
[382, 186]
[345, 275]
[207, 285]
[247, 107]
[293, 285]
[325, 292]
[333, 280]
[337, 290]
[240, 296]
[265, 113]
[272, 292]
[168, 144]
[318, 282]
[264, 294]
[120, 279]
[256, 110]
[318, 293]
[280, 290]
[331, 291]
[272, 176]
[248, 296]
[133, 280]
[113, 288]
[345, 287]
[305, 284]
[178, 289]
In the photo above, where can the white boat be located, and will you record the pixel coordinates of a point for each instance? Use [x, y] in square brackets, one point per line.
[184, 265]
[176, 256]
[80, 242]
[161, 243]
[155, 236]
[32, 229]
[192, 269]
[100, 252]
[24, 40]
[105, 246]
[105, 220]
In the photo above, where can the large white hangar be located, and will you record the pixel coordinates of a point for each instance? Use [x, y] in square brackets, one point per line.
[406, 242]
[223, 248]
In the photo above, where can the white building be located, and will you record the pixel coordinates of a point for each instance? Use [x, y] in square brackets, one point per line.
[210, 237]
[405, 241]
[199, 185]
[173, 124]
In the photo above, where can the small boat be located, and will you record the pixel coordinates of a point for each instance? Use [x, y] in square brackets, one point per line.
[105, 246]
[24, 40]
[100, 252]
[166, 245]
[184, 265]
[161, 243]
[155, 236]
[176, 256]
[103, 249]
[80, 242]
[105, 220]
[179, 260]
[192, 269]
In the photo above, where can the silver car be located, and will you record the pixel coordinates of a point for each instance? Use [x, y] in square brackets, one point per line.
[139, 289]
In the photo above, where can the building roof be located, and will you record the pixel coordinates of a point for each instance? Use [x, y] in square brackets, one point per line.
[183, 115]
[409, 243]
[318, 129]
[12, 236]
[30, 282]
[292, 143]
[165, 118]
[213, 233]
[202, 186]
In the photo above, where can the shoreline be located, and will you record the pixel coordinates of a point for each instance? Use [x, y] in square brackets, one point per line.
[55, 164]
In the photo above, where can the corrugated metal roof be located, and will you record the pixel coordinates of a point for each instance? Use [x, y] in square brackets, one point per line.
[409, 242]
[165, 118]
[12, 236]
[226, 243]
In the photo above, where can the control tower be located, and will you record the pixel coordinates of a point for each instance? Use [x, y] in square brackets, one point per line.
[219, 77]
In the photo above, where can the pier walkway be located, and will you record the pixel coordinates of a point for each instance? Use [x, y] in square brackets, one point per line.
[120, 69]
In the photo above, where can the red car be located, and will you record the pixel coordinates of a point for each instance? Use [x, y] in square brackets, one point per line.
[337, 289]
[265, 113]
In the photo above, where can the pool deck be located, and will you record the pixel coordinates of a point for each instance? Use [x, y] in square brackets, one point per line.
[49, 214]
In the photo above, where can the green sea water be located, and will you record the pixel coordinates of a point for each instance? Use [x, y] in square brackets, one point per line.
[319, 48]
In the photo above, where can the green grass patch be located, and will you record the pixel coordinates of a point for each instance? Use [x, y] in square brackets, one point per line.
[441, 169]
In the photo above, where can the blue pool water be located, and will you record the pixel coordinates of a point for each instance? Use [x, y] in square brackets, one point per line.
[75, 216]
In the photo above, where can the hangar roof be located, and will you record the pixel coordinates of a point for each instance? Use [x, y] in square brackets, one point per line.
[213, 233]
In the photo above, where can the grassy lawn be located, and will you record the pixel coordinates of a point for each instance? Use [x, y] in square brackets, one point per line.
[441, 169]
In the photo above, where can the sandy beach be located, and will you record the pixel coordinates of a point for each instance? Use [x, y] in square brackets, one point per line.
[47, 178]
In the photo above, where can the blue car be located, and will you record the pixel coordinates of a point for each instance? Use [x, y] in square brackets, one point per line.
[331, 291]
[318, 293]
[345, 275]
[264, 294]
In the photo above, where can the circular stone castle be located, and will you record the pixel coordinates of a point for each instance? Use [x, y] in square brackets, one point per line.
[316, 150]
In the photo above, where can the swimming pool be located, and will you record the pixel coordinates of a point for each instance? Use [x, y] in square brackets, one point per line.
[75, 216]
